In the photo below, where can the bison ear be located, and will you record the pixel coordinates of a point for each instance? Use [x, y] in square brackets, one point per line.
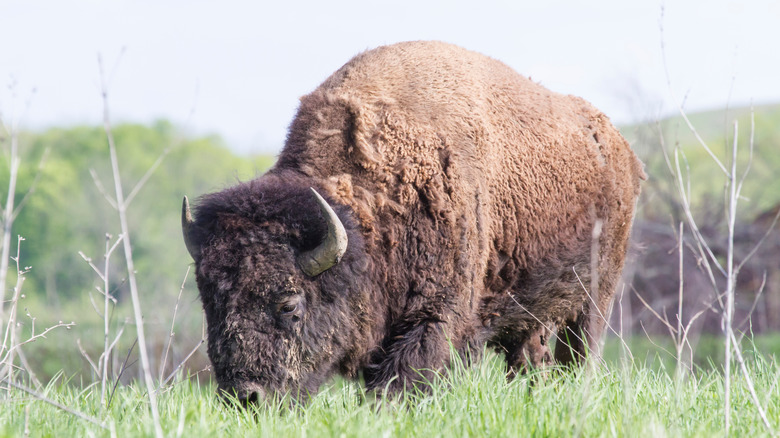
[187, 228]
[333, 247]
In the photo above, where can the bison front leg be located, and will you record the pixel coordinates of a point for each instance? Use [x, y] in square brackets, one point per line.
[412, 355]
[571, 346]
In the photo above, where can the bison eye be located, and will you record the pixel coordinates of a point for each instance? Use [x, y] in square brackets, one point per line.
[288, 308]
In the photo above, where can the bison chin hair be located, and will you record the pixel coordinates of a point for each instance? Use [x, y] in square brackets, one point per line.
[275, 381]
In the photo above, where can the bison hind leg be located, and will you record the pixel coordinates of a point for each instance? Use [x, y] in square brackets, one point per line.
[579, 339]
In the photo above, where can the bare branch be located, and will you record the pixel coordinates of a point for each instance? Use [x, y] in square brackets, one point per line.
[8, 215]
[759, 292]
[601, 315]
[760, 242]
[181, 364]
[650, 338]
[91, 265]
[704, 248]
[146, 176]
[86, 356]
[102, 189]
[659, 317]
[108, 350]
[28, 368]
[751, 388]
[680, 107]
[106, 355]
[128, 250]
[121, 371]
[43, 334]
[186, 358]
[173, 322]
[750, 156]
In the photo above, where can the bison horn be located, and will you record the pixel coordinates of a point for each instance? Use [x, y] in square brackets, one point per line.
[187, 227]
[325, 256]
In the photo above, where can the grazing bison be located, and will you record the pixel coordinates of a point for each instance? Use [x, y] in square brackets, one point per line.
[462, 204]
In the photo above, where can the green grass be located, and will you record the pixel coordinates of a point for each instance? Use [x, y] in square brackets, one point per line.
[616, 400]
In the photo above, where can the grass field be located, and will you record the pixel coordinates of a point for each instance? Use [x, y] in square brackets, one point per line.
[619, 399]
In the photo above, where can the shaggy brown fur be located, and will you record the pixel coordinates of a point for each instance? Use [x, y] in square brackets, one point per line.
[470, 196]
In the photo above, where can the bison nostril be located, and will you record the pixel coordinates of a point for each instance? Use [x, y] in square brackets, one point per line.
[243, 395]
[249, 398]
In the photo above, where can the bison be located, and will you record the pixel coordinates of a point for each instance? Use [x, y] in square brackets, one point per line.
[427, 198]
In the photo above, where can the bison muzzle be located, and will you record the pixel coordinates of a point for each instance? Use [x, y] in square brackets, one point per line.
[427, 198]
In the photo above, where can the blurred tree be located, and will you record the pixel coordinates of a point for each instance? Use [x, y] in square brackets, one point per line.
[68, 213]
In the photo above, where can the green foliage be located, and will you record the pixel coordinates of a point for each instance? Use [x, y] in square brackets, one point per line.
[659, 352]
[706, 181]
[629, 400]
[67, 213]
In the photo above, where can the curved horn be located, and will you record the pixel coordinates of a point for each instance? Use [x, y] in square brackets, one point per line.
[186, 229]
[325, 256]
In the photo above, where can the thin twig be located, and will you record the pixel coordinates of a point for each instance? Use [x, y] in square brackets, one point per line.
[128, 249]
[173, 322]
[146, 176]
[601, 315]
[759, 293]
[91, 265]
[181, 364]
[702, 248]
[650, 338]
[705, 250]
[107, 352]
[751, 388]
[664, 320]
[119, 376]
[760, 242]
[750, 149]
[8, 215]
[10, 342]
[86, 356]
[95, 179]
[28, 368]
[186, 358]
[106, 356]
[731, 280]
[680, 302]
[679, 105]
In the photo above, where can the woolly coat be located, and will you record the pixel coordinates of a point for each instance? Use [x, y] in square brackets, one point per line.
[481, 208]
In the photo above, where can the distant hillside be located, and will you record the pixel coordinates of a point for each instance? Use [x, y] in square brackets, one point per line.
[762, 186]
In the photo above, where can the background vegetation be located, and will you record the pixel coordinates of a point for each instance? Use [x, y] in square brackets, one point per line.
[637, 389]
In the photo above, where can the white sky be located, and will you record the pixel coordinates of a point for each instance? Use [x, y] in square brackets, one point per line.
[242, 65]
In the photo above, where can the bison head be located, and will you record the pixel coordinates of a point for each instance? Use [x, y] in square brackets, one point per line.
[259, 259]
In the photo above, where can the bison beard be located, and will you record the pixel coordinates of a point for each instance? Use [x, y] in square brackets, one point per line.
[460, 202]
